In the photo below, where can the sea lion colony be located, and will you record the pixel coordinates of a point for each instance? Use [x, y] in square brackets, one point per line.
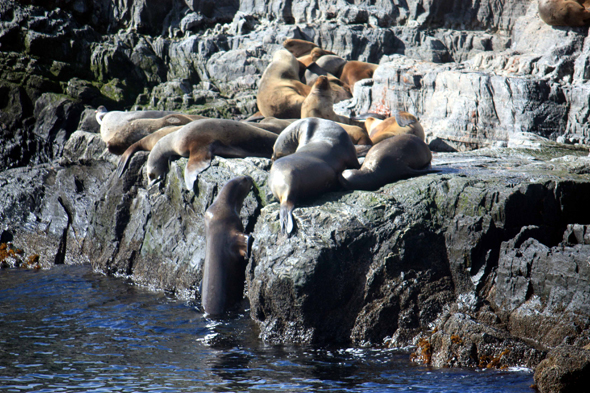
[311, 147]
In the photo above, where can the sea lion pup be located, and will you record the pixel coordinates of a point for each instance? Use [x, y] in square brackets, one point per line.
[146, 143]
[309, 157]
[332, 64]
[393, 159]
[299, 47]
[399, 123]
[201, 140]
[354, 71]
[226, 248]
[564, 12]
[281, 93]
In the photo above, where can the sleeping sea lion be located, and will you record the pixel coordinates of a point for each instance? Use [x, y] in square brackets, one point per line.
[393, 159]
[226, 248]
[309, 157]
[313, 56]
[399, 123]
[565, 12]
[281, 93]
[354, 71]
[119, 130]
[201, 140]
[146, 143]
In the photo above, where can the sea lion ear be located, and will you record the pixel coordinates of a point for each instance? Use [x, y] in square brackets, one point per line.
[198, 161]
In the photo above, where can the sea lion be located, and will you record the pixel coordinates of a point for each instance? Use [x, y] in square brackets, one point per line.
[319, 102]
[354, 71]
[340, 89]
[299, 47]
[309, 157]
[201, 140]
[146, 143]
[281, 93]
[332, 64]
[121, 129]
[564, 12]
[399, 123]
[313, 56]
[275, 125]
[393, 159]
[226, 248]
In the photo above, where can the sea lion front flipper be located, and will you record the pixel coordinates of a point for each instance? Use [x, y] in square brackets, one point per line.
[286, 218]
[125, 158]
[243, 242]
[198, 161]
[404, 119]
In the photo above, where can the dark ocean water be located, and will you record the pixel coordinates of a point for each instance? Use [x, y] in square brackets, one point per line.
[69, 329]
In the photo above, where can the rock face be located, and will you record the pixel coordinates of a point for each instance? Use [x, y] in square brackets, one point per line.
[484, 264]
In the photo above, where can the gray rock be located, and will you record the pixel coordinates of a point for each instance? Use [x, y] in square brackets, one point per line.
[566, 369]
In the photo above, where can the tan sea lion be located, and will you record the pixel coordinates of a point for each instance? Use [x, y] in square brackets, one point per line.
[340, 89]
[319, 102]
[354, 71]
[281, 93]
[565, 12]
[226, 247]
[313, 56]
[393, 159]
[146, 143]
[309, 157]
[299, 47]
[114, 126]
[332, 64]
[399, 123]
[119, 130]
[201, 140]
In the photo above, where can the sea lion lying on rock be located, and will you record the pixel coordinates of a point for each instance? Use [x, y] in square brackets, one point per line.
[201, 140]
[309, 157]
[564, 12]
[399, 123]
[396, 158]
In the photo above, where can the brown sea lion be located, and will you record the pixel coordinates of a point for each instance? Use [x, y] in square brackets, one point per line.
[565, 12]
[399, 123]
[201, 140]
[146, 143]
[310, 156]
[281, 93]
[275, 125]
[393, 159]
[354, 71]
[299, 47]
[226, 248]
[332, 64]
[340, 89]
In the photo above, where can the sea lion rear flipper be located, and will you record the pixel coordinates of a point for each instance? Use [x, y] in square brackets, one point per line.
[199, 160]
[286, 218]
[362, 150]
[404, 119]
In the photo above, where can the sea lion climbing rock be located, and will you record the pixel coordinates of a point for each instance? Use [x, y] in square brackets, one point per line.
[226, 248]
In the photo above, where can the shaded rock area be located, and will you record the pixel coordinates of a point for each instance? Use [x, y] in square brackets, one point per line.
[485, 264]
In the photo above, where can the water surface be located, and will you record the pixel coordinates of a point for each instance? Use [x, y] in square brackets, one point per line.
[69, 329]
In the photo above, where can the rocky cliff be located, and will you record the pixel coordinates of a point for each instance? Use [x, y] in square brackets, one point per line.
[484, 264]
